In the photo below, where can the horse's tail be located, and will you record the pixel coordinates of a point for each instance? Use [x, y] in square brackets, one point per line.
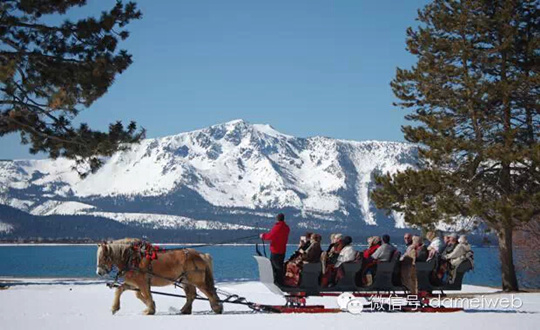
[209, 273]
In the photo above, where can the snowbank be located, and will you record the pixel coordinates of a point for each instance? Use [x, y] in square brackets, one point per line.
[77, 304]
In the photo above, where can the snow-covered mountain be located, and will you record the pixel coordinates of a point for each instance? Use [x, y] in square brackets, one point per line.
[233, 174]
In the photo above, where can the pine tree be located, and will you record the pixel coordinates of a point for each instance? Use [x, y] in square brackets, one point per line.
[49, 73]
[473, 98]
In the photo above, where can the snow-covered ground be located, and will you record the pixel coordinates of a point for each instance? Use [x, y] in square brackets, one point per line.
[76, 304]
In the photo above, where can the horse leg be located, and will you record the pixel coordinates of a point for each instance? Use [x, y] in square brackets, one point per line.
[191, 293]
[139, 295]
[116, 302]
[136, 285]
[147, 299]
[217, 307]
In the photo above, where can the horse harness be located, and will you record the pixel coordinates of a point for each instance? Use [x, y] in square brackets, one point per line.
[145, 250]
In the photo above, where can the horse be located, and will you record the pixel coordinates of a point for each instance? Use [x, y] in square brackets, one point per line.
[187, 266]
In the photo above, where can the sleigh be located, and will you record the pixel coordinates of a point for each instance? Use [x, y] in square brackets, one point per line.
[386, 282]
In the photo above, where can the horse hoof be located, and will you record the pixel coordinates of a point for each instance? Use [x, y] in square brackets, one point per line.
[149, 312]
[218, 309]
[186, 311]
[114, 310]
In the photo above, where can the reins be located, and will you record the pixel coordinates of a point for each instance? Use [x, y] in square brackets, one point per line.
[234, 240]
[143, 243]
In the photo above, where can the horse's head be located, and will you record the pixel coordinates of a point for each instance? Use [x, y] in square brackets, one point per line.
[104, 259]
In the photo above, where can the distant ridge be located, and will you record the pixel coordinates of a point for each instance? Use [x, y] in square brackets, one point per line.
[226, 176]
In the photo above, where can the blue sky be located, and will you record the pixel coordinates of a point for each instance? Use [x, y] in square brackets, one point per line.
[306, 67]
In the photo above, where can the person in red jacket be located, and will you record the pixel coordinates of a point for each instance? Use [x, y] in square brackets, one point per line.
[374, 243]
[278, 237]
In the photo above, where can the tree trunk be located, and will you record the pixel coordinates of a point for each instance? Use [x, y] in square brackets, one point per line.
[506, 255]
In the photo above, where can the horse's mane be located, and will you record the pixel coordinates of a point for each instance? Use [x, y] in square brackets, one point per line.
[126, 241]
[117, 249]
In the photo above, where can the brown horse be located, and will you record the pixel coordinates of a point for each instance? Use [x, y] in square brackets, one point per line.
[191, 268]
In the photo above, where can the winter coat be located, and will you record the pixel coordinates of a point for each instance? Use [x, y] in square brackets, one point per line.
[461, 252]
[437, 245]
[384, 252]
[304, 247]
[418, 254]
[330, 247]
[408, 268]
[421, 253]
[448, 249]
[369, 251]
[278, 237]
[313, 254]
[347, 254]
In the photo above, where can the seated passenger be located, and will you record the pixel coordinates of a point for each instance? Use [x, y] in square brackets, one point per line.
[380, 253]
[333, 273]
[347, 253]
[329, 257]
[303, 245]
[305, 242]
[335, 247]
[408, 239]
[385, 251]
[446, 239]
[450, 244]
[443, 267]
[416, 249]
[414, 253]
[421, 249]
[436, 245]
[313, 253]
[374, 243]
[292, 274]
[334, 239]
[461, 252]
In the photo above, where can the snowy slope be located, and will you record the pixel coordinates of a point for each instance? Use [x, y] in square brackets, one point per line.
[5, 227]
[231, 167]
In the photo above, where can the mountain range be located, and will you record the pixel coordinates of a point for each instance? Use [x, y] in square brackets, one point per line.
[227, 177]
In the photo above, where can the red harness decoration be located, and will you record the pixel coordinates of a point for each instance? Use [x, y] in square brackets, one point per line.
[146, 250]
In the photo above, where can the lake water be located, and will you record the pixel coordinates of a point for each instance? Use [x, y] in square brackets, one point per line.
[231, 263]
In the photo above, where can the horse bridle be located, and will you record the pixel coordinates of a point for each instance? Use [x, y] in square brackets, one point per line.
[108, 260]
